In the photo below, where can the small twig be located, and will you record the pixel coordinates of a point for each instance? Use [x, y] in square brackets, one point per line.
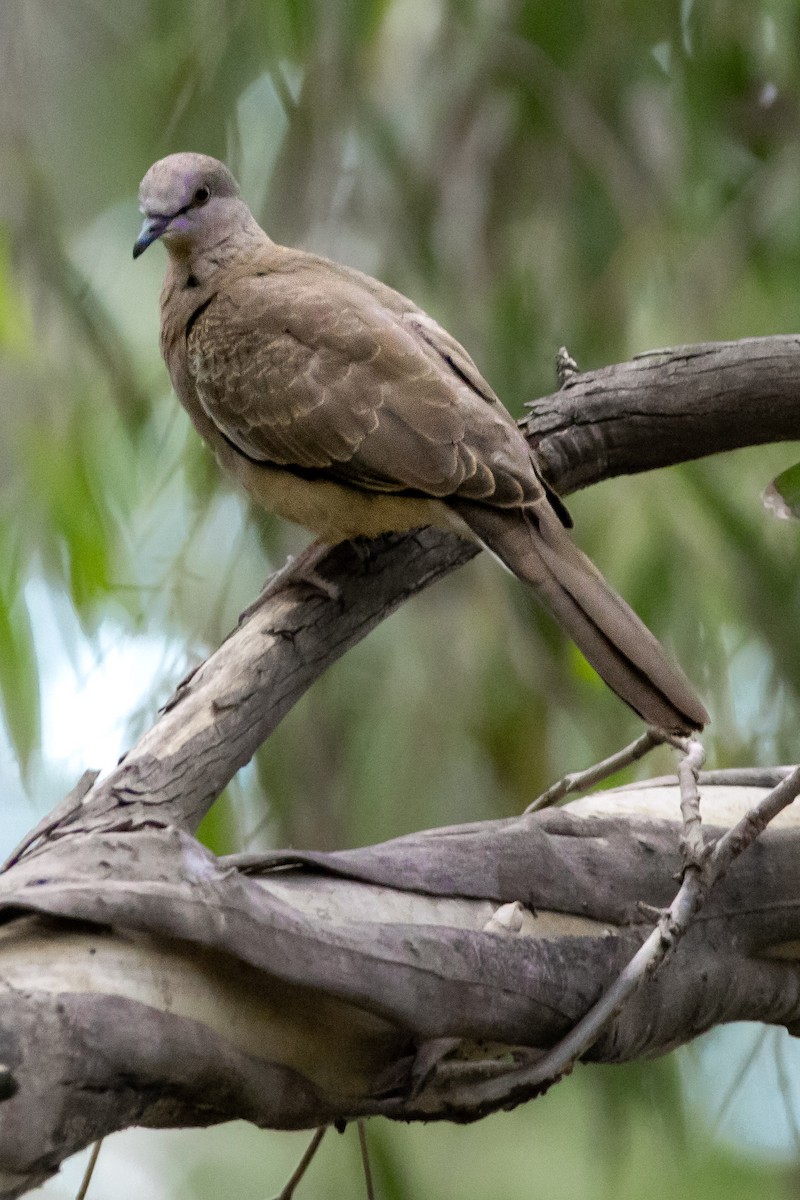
[735, 1086]
[754, 822]
[90, 1166]
[580, 781]
[287, 1191]
[692, 894]
[566, 367]
[734, 777]
[48, 825]
[362, 1141]
[693, 849]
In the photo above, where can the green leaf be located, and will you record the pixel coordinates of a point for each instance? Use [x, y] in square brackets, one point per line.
[19, 677]
[218, 830]
[782, 497]
[16, 335]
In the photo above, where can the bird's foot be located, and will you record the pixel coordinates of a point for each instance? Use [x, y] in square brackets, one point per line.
[298, 571]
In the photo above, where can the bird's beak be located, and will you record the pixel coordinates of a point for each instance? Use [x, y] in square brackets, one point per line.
[152, 229]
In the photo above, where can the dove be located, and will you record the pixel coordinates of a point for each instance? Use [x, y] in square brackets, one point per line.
[340, 405]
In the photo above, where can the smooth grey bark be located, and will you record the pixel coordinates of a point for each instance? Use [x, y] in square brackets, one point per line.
[151, 983]
[143, 981]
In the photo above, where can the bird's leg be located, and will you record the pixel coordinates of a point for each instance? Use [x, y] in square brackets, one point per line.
[299, 570]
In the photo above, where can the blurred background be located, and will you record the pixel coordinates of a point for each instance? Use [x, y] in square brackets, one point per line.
[614, 177]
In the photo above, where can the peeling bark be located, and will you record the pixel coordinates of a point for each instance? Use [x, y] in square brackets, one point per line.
[668, 406]
[144, 981]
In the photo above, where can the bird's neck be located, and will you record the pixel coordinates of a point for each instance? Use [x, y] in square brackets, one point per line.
[195, 264]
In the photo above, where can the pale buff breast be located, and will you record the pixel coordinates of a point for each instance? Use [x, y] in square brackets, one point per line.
[331, 510]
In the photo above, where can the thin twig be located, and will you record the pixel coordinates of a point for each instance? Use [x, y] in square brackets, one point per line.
[735, 1086]
[692, 845]
[90, 1166]
[734, 777]
[362, 1141]
[692, 894]
[48, 824]
[580, 781]
[754, 822]
[566, 367]
[287, 1192]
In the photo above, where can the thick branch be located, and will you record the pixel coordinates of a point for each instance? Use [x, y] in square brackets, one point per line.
[661, 408]
[331, 986]
[666, 407]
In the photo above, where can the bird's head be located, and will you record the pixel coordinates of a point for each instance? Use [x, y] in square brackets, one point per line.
[188, 200]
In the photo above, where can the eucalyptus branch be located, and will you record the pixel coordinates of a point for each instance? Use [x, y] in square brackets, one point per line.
[698, 882]
[633, 416]
[389, 967]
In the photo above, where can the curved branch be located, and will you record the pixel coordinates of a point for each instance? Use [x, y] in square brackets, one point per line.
[668, 406]
[332, 986]
[661, 408]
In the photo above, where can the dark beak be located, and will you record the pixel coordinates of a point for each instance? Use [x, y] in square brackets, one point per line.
[152, 229]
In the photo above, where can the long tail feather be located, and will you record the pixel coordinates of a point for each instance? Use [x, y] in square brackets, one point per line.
[620, 647]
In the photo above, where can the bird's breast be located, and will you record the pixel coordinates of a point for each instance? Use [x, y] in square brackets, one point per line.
[333, 511]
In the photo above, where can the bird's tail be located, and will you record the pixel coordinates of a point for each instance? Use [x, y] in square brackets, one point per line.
[537, 549]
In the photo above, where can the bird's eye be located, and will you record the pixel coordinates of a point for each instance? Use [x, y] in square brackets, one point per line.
[201, 195]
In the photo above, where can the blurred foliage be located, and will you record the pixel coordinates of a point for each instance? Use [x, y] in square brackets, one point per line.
[612, 177]
[782, 496]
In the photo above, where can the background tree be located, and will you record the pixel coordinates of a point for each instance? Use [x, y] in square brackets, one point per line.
[610, 177]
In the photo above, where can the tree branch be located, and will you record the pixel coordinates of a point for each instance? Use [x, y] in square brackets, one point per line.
[688, 403]
[668, 406]
[298, 989]
[332, 986]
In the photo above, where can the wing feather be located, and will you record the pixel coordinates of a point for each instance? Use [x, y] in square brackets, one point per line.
[311, 368]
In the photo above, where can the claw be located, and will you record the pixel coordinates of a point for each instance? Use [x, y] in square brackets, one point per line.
[298, 571]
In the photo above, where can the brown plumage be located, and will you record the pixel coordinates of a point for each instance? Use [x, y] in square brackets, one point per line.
[342, 406]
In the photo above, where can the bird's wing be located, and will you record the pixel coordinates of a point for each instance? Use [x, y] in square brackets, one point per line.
[311, 369]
